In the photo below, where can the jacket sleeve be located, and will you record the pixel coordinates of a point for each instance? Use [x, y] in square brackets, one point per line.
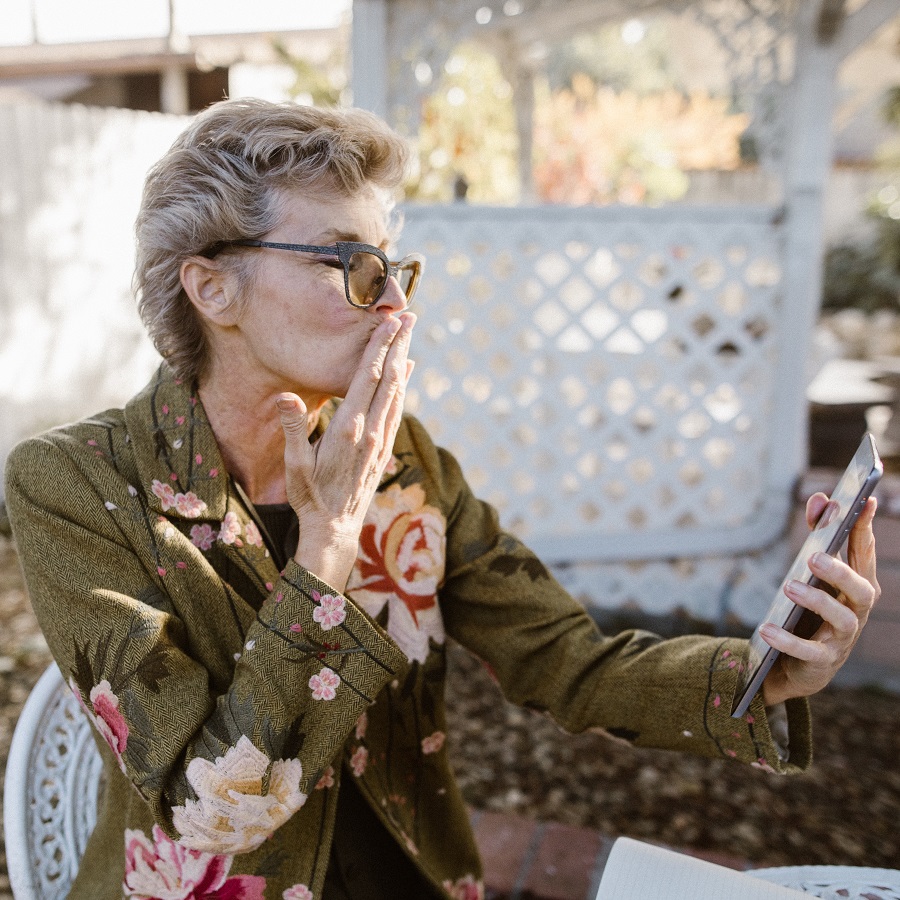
[500, 602]
[223, 753]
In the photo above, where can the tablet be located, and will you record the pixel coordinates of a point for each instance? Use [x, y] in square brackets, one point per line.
[828, 535]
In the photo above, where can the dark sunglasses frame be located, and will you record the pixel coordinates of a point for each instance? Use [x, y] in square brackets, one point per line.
[344, 250]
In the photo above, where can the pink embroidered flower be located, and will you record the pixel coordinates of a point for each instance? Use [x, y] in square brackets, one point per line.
[165, 492]
[466, 888]
[324, 685]
[163, 869]
[434, 742]
[231, 528]
[330, 612]
[401, 560]
[251, 532]
[189, 505]
[413, 849]
[297, 892]
[105, 715]
[242, 798]
[362, 723]
[203, 536]
[109, 720]
[327, 779]
[359, 761]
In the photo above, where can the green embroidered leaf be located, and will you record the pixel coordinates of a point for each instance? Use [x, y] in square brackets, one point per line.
[82, 672]
[153, 668]
[273, 864]
[512, 565]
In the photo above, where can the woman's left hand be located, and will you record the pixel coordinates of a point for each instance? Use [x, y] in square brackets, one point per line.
[807, 666]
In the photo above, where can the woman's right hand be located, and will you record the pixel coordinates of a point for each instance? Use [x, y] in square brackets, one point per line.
[331, 483]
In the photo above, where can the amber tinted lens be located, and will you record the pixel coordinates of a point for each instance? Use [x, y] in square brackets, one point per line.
[408, 276]
[367, 275]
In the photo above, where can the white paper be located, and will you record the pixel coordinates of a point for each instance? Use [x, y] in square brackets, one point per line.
[639, 871]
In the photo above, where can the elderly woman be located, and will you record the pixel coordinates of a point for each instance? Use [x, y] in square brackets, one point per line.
[249, 586]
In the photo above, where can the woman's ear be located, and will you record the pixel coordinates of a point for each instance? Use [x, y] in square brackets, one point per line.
[210, 288]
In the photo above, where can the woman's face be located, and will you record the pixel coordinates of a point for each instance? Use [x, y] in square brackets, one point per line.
[296, 331]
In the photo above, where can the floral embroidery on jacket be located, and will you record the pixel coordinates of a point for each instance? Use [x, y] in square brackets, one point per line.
[297, 892]
[402, 554]
[324, 685]
[188, 504]
[434, 742]
[466, 888]
[203, 536]
[331, 610]
[163, 869]
[242, 798]
[359, 761]
[106, 716]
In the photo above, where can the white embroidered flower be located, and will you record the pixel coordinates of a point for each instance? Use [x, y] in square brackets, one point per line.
[331, 610]
[203, 536]
[359, 761]
[231, 528]
[326, 781]
[297, 892]
[251, 532]
[189, 505]
[324, 685]
[434, 742]
[238, 806]
[165, 493]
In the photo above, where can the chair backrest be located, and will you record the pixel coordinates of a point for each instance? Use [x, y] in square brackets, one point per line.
[52, 777]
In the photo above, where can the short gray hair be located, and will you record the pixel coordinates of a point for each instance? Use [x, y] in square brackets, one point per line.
[223, 179]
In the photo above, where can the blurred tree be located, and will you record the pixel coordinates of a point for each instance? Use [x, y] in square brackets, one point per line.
[634, 56]
[467, 134]
[866, 276]
[596, 145]
[316, 84]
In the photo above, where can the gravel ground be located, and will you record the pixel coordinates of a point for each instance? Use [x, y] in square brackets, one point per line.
[845, 810]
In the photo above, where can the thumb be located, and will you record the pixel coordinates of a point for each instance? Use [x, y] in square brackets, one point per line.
[294, 422]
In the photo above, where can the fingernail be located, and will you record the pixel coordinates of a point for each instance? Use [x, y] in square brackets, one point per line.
[285, 405]
[821, 560]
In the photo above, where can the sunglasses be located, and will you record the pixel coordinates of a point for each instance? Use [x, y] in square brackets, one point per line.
[366, 268]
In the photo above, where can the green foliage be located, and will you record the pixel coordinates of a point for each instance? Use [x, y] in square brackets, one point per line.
[468, 134]
[856, 277]
[644, 66]
[316, 85]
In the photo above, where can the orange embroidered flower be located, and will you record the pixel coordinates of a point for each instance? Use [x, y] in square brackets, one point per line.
[402, 554]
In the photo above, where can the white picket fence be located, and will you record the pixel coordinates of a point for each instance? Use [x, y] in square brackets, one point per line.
[612, 379]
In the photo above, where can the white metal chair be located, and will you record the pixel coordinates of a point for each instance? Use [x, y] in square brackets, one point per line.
[50, 799]
[836, 882]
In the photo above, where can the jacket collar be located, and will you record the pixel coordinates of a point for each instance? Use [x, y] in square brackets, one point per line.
[178, 459]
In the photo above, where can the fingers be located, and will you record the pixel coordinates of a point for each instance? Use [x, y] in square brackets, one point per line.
[371, 370]
[814, 507]
[861, 545]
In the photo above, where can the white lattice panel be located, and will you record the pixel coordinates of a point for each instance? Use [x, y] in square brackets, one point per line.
[607, 376]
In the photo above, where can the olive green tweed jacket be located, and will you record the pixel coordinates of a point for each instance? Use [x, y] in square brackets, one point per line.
[232, 698]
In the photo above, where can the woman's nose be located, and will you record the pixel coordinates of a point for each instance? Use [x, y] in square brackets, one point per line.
[393, 299]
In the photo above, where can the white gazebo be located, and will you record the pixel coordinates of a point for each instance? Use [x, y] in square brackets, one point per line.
[628, 384]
